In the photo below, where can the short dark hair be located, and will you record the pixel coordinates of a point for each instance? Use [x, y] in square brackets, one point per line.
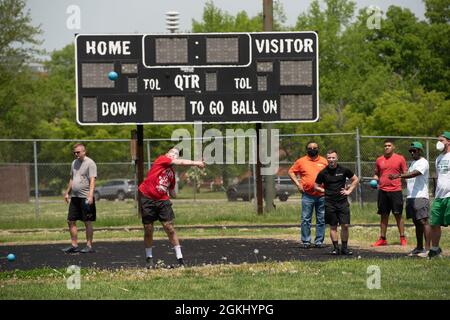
[79, 145]
[332, 151]
[312, 141]
[390, 140]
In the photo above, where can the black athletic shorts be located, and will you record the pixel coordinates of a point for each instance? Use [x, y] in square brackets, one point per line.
[417, 208]
[337, 213]
[153, 210]
[80, 210]
[390, 201]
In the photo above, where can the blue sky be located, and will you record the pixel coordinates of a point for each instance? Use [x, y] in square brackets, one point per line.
[148, 16]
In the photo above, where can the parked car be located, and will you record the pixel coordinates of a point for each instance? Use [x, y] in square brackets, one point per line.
[116, 189]
[284, 187]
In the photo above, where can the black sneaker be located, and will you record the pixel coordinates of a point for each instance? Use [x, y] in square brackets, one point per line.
[434, 253]
[71, 249]
[149, 264]
[87, 250]
[180, 262]
[335, 252]
[415, 252]
[306, 245]
[319, 245]
[346, 252]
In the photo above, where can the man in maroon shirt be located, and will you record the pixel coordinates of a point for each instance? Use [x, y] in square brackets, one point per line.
[390, 196]
[155, 202]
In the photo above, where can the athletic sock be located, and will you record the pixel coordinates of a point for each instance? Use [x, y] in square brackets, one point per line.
[344, 244]
[148, 252]
[178, 252]
[434, 248]
[336, 245]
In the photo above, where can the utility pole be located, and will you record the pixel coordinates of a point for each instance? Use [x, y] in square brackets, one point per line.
[269, 194]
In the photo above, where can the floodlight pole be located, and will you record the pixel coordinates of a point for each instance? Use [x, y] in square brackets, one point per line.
[172, 25]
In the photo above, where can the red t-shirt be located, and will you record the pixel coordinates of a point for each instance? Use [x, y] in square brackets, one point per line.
[395, 164]
[160, 179]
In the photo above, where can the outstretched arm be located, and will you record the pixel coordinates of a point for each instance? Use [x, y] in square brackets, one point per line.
[185, 162]
[407, 175]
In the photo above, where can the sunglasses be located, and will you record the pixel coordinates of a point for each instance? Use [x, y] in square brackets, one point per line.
[312, 148]
[76, 152]
[413, 151]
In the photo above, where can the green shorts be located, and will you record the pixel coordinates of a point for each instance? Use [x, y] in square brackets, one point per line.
[440, 212]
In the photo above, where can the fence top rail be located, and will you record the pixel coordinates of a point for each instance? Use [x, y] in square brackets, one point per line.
[172, 139]
[316, 134]
[400, 137]
[216, 137]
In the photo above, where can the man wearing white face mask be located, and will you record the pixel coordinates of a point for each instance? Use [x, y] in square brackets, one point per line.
[440, 211]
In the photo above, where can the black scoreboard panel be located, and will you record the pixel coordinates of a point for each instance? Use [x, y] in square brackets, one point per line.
[184, 78]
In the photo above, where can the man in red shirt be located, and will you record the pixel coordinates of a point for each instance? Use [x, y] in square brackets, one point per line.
[155, 202]
[390, 196]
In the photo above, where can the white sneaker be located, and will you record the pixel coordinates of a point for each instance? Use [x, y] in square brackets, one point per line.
[423, 254]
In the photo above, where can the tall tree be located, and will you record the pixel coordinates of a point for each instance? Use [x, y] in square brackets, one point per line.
[216, 20]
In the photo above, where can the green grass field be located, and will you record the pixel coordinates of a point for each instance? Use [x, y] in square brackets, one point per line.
[53, 214]
[403, 278]
[340, 279]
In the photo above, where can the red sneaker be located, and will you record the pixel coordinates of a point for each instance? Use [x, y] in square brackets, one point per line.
[403, 241]
[380, 242]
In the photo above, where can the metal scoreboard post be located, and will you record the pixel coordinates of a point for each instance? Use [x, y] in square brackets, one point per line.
[185, 78]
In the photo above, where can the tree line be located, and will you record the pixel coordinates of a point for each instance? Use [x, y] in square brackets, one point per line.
[391, 80]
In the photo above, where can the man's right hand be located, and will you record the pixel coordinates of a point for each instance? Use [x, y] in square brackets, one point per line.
[66, 197]
[201, 164]
[300, 188]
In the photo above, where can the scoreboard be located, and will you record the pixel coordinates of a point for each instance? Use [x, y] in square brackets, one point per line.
[185, 78]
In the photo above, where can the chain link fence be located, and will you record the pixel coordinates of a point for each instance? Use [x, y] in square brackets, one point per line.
[45, 163]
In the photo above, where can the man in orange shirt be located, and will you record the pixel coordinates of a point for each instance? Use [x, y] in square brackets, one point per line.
[307, 168]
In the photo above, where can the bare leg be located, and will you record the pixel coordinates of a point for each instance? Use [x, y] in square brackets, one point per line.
[419, 233]
[427, 234]
[73, 233]
[435, 235]
[333, 233]
[89, 233]
[344, 232]
[171, 233]
[384, 224]
[148, 235]
[401, 228]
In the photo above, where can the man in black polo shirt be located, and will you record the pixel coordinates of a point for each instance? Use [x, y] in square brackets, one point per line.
[332, 181]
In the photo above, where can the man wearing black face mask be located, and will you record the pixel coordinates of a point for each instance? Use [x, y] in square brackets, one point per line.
[307, 168]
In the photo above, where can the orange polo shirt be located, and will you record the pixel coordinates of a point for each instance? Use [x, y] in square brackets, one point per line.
[308, 169]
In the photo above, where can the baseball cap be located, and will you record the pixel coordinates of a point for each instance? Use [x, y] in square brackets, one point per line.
[416, 145]
[446, 134]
